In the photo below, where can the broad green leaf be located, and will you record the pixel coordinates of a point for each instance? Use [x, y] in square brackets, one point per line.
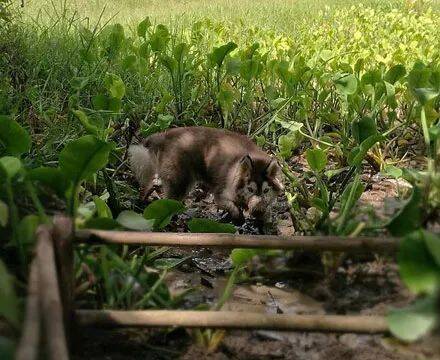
[9, 309]
[288, 143]
[432, 242]
[395, 73]
[4, 214]
[317, 159]
[417, 266]
[102, 208]
[414, 321]
[84, 119]
[51, 177]
[143, 27]
[393, 171]
[160, 38]
[290, 125]
[83, 157]
[129, 63]
[346, 84]
[101, 224]
[242, 256]
[26, 229]
[217, 56]
[114, 85]
[197, 225]
[409, 217]
[10, 166]
[364, 128]
[169, 62]
[424, 95]
[100, 102]
[358, 154]
[134, 221]
[162, 210]
[326, 55]
[13, 137]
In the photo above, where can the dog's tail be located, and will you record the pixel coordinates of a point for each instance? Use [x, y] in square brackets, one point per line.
[143, 163]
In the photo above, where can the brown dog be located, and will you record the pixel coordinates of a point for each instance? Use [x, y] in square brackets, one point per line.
[230, 165]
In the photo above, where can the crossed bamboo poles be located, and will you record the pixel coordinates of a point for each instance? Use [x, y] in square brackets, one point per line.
[50, 302]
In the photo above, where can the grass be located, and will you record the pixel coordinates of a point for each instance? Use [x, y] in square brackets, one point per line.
[280, 15]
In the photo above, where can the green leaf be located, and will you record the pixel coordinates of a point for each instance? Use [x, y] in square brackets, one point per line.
[326, 55]
[26, 229]
[432, 242]
[350, 196]
[160, 38]
[83, 157]
[417, 267]
[317, 159]
[10, 166]
[197, 225]
[84, 119]
[100, 102]
[101, 224]
[424, 95]
[9, 309]
[364, 128]
[102, 208]
[409, 217]
[226, 97]
[358, 154]
[414, 321]
[4, 214]
[346, 84]
[217, 56]
[243, 256]
[395, 73]
[134, 221]
[143, 27]
[180, 51]
[51, 177]
[162, 210]
[288, 143]
[13, 137]
[393, 171]
[114, 85]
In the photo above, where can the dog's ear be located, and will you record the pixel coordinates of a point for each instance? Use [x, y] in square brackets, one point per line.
[274, 175]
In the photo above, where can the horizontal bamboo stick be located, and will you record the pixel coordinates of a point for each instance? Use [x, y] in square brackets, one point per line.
[231, 319]
[317, 243]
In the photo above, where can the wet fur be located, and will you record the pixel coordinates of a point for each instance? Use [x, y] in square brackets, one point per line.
[224, 161]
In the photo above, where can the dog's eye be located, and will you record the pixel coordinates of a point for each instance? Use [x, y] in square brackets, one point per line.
[266, 190]
[250, 189]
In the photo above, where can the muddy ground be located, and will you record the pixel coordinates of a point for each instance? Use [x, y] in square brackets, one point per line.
[293, 283]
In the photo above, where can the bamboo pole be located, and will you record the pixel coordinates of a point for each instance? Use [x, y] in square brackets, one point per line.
[316, 243]
[52, 310]
[233, 320]
[62, 236]
[30, 337]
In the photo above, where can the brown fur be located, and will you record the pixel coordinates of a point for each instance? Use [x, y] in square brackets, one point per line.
[227, 163]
